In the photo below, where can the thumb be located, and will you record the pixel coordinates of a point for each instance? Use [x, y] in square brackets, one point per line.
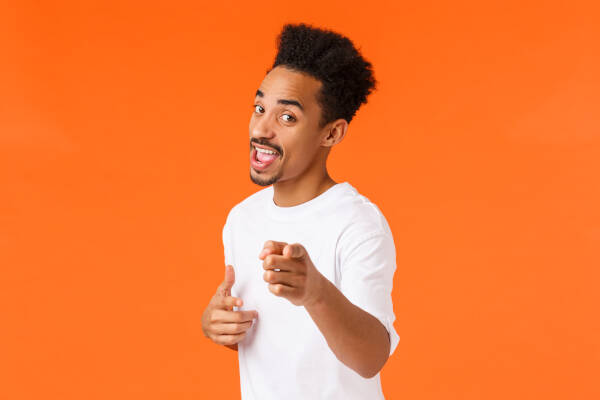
[295, 250]
[229, 280]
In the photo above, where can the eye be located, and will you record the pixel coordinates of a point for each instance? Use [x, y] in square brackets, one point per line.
[258, 109]
[289, 119]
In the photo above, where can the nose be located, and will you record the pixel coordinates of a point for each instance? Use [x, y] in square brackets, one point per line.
[261, 127]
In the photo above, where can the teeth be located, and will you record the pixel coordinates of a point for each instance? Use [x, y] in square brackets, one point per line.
[265, 151]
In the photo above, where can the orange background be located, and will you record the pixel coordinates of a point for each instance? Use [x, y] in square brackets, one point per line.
[124, 143]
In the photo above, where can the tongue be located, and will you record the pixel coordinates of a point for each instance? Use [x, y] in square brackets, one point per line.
[265, 158]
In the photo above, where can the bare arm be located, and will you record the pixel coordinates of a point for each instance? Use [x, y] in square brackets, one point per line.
[357, 338]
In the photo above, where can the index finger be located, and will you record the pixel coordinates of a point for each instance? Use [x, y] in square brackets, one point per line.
[234, 316]
[279, 263]
[271, 247]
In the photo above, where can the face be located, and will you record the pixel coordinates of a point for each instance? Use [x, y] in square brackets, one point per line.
[284, 128]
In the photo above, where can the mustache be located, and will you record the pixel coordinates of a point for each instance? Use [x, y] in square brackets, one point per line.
[265, 143]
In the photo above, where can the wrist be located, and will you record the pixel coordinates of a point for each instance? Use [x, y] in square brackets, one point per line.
[320, 294]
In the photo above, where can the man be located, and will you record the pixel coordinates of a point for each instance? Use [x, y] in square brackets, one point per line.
[309, 306]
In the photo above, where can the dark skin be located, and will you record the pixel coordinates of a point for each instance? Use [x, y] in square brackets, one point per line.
[301, 169]
[287, 118]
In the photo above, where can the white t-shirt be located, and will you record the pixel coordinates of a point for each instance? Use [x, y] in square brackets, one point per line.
[284, 355]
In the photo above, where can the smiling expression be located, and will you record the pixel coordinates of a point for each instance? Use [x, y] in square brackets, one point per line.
[284, 127]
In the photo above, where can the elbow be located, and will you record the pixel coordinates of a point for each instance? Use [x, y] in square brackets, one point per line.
[366, 369]
[368, 375]
[369, 372]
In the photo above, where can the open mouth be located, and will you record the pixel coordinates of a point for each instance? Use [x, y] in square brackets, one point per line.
[261, 157]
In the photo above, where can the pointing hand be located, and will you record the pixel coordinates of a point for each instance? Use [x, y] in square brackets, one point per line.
[220, 322]
[291, 273]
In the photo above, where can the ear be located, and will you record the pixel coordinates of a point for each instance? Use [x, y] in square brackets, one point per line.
[334, 132]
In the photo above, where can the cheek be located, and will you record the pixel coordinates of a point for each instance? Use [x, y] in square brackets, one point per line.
[300, 147]
[299, 156]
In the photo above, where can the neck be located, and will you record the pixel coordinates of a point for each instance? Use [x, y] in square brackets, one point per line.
[298, 190]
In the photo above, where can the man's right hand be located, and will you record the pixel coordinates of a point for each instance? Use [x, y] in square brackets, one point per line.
[220, 322]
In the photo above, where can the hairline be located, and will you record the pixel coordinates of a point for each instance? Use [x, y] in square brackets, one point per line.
[319, 95]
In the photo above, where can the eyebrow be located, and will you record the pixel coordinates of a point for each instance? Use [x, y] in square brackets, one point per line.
[283, 101]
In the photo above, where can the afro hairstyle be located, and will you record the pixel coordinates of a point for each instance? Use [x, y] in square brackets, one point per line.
[346, 77]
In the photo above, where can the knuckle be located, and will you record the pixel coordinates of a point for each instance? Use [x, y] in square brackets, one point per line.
[240, 337]
[216, 339]
[212, 330]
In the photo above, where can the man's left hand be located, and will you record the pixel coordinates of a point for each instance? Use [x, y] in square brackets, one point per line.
[291, 273]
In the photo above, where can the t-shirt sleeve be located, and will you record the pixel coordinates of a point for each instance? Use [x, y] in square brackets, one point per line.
[367, 266]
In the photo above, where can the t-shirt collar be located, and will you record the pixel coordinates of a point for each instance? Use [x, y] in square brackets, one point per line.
[304, 209]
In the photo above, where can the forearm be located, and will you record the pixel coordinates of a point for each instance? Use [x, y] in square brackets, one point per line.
[357, 339]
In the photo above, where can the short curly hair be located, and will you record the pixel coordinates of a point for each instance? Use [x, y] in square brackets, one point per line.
[347, 78]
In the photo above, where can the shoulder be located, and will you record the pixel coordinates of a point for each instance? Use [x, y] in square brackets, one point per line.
[365, 229]
[366, 237]
[363, 217]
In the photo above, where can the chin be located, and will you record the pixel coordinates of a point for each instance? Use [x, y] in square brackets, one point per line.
[264, 179]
